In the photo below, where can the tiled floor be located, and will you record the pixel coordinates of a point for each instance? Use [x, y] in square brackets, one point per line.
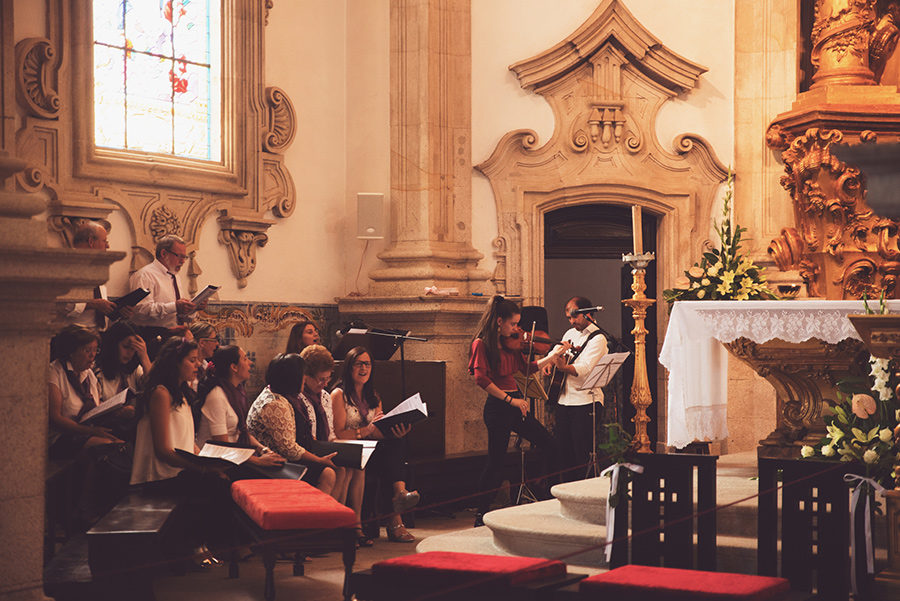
[323, 577]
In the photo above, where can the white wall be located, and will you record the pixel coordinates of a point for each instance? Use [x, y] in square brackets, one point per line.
[507, 31]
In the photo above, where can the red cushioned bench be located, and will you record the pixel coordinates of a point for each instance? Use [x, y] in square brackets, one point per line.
[290, 516]
[448, 576]
[650, 583]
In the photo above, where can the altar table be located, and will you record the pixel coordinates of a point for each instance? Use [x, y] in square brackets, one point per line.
[697, 362]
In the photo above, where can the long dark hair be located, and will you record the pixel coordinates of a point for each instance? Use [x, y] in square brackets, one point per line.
[164, 372]
[295, 338]
[488, 331]
[218, 373]
[108, 359]
[370, 397]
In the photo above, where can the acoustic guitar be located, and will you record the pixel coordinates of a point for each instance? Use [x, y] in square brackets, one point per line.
[558, 376]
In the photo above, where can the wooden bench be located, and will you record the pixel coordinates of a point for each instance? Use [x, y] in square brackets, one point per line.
[450, 576]
[290, 516]
[126, 548]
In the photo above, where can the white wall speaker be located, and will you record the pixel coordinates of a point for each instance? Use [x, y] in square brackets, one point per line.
[369, 216]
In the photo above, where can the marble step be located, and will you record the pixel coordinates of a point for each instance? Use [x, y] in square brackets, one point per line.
[583, 500]
[542, 530]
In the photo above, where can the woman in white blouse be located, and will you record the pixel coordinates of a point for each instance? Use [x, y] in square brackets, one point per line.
[224, 406]
[166, 425]
[73, 391]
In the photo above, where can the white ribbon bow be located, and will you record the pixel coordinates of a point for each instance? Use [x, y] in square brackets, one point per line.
[610, 510]
[868, 550]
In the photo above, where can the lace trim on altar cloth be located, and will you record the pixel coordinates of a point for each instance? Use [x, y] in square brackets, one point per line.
[791, 321]
[702, 424]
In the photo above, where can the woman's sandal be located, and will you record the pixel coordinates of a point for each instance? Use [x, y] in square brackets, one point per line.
[399, 534]
[362, 540]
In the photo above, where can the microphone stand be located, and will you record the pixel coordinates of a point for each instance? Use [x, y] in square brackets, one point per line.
[400, 338]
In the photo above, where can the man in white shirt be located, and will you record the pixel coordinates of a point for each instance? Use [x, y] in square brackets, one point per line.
[163, 312]
[573, 415]
[93, 313]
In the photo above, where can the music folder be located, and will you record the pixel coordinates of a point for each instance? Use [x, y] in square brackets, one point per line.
[129, 300]
[350, 453]
[410, 411]
[217, 455]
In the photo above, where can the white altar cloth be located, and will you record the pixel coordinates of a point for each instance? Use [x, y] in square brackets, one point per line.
[697, 363]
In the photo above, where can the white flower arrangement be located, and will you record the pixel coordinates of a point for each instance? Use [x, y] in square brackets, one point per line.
[723, 273]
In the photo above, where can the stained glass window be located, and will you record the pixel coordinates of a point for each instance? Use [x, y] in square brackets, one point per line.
[157, 76]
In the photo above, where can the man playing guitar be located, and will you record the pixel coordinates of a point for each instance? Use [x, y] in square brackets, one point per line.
[573, 415]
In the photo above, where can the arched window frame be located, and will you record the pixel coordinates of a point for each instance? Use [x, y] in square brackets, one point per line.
[159, 194]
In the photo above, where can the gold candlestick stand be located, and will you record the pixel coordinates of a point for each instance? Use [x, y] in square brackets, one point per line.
[640, 387]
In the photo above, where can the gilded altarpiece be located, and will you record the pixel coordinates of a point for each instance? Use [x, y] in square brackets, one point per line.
[837, 245]
[158, 194]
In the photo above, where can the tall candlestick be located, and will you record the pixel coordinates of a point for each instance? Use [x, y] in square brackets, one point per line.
[636, 232]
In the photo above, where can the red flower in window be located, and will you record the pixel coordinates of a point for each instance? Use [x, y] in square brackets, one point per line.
[179, 84]
[167, 11]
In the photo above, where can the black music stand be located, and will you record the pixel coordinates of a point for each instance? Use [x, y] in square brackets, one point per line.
[599, 377]
[381, 344]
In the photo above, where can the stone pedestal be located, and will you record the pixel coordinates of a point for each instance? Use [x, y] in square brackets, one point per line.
[31, 277]
[804, 376]
[449, 324]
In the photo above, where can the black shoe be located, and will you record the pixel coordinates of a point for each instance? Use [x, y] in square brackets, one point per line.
[479, 519]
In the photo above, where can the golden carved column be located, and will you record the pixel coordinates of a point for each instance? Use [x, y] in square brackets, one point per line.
[841, 36]
[840, 247]
[640, 387]
[431, 206]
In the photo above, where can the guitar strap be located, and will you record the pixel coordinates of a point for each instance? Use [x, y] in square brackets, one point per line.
[575, 356]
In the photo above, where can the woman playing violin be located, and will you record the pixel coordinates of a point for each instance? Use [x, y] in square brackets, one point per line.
[492, 362]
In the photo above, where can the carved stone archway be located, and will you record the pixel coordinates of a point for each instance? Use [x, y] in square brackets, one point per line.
[605, 84]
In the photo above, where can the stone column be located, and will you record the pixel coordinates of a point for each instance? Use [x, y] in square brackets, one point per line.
[31, 277]
[431, 205]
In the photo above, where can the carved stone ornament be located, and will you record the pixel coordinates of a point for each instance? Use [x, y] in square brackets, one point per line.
[243, 239]
[36, 75]
[157, 194]
[265, 317]
[804, 376]
[281, 121]
[605, 83]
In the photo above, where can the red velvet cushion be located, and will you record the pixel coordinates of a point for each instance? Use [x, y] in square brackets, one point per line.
[648, 583]
[443, 569]
[290, 505]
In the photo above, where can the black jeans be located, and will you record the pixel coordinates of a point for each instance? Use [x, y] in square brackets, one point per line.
[573, 430]
[501, 420]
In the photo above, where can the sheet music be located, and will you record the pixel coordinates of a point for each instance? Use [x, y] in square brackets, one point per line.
[604, 371]
[204, 294]
[413, 403]
[235, 455]
[107, 405]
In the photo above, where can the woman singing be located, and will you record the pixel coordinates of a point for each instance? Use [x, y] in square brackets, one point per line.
[492, 362]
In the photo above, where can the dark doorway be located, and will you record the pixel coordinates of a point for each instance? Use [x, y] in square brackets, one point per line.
[583, 248]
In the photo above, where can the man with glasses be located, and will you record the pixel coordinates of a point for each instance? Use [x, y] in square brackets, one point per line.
[163, 313]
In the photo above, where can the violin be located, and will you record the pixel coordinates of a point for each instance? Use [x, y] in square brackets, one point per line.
[519, 341]
[513, 342]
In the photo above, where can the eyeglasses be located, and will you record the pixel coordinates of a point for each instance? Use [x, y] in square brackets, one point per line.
[361, 364]
[182, 257]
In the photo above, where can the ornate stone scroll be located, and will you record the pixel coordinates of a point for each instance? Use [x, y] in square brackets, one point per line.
[605, 84]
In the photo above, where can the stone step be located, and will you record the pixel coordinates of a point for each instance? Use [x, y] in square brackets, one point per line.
[541, 530]
[583, 500]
